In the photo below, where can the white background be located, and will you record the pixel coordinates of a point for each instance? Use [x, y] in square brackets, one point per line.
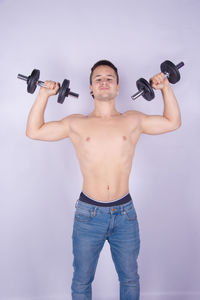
[41, 181]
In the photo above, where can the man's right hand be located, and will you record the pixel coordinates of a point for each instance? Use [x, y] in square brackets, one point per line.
[51, 88]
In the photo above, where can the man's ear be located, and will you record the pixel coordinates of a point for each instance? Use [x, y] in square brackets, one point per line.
[91, 92]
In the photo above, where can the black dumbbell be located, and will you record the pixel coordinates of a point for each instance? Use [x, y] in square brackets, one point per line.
[170, 70]
[33, 80]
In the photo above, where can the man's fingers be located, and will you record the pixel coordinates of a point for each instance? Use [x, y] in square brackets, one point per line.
[50, 84]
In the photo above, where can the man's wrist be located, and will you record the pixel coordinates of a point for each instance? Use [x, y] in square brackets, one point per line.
[166, 88]
[43, 94]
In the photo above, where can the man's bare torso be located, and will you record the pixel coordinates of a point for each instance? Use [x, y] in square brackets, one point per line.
[105, 149]
[105, 140]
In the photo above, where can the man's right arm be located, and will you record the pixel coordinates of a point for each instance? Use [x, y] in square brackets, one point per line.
[36, 128]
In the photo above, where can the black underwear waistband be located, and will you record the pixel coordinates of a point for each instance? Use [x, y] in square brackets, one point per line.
[84, 198]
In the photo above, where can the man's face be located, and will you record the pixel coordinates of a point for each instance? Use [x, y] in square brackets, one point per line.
[104, 83]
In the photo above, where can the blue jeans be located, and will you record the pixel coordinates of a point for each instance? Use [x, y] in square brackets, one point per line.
[93, 225]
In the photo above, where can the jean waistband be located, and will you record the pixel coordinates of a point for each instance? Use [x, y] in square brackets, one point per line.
[103, 209]
[86, 199]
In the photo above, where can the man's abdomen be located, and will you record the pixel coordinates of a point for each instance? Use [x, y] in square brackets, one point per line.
[106, 188]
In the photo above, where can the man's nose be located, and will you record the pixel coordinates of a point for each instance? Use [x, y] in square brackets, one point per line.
[104, 81]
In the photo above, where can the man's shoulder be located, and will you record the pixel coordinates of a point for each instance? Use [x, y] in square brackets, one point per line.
[132, 113]
[72, 119]
[134, 117]
[75, 116]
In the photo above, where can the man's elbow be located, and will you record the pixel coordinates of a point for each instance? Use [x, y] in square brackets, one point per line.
[174, 123]
[31, 134]
[177, 125]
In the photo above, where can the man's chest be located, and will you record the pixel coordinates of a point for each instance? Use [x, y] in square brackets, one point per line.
[104, 137]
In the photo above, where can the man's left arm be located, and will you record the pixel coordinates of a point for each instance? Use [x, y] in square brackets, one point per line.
[171, 118]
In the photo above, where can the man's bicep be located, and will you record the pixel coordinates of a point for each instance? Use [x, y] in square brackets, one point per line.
[53, 131]
[155, 124]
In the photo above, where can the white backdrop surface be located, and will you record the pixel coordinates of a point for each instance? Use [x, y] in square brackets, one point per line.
[41, 181]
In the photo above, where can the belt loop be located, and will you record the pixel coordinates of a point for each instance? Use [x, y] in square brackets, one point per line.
[76, 203]
[94, 211]
[122, 210]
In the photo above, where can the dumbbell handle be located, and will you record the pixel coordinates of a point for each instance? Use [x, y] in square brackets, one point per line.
[136, 95]
[180, 65]
[139, 93]
[42, 84]
[25, 78]
[74, 94]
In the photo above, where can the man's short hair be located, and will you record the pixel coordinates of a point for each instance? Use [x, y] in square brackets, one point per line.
[104, 63]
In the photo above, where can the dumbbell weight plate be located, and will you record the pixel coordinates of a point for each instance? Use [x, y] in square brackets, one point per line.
[32, 81]
[63, 91]
[168, 67]
[145, 86]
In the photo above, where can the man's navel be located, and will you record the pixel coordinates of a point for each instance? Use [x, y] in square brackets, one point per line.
[124, 138]
[87, 139]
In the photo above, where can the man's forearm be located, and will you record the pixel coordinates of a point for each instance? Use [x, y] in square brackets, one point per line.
[36, 115]
[171, 107]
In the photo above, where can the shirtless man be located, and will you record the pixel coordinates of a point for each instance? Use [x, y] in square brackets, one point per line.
[105, 142]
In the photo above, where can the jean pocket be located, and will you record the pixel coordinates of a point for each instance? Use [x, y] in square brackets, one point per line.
[82, 215]
[130, 214]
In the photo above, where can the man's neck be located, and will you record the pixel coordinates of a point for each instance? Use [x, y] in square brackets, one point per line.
[105, 109]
